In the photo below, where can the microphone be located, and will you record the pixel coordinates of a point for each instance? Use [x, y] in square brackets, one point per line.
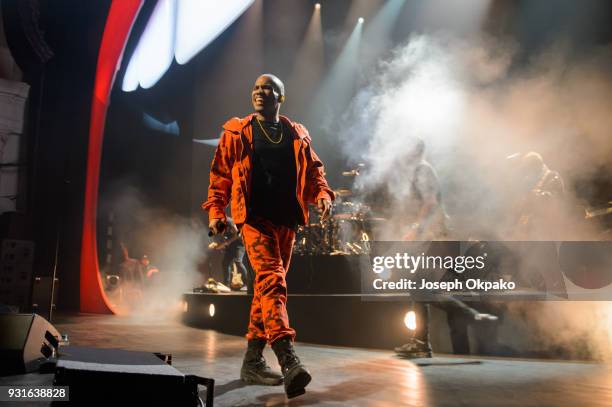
[220, 228]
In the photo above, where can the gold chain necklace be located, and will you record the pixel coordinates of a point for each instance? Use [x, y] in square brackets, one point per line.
[268, 136]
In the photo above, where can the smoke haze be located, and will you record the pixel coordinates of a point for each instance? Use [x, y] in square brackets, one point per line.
[173, 244]
[474, 103]
[577, 329]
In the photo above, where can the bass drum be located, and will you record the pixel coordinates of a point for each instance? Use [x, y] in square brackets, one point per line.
[314, 239]
[301, 241]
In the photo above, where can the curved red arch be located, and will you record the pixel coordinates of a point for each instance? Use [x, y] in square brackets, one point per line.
[121, 17]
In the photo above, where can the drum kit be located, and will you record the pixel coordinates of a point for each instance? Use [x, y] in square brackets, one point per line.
[347, 231]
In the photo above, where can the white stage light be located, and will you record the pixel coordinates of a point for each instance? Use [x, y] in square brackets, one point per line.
[318, 6]
[211, 310]
[180, 30]
[360, 20]
[155, 50]
[410, 320]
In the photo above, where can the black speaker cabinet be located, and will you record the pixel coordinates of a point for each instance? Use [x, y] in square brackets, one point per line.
[26, 340]
[124, 376]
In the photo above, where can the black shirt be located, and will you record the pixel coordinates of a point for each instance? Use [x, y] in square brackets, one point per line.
[274, 177]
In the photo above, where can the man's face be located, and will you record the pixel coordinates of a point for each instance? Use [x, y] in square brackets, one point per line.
[264, 95]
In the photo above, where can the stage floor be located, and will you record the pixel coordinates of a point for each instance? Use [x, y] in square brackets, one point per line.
[348, 376]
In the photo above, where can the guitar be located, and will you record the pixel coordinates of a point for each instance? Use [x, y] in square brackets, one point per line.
[236, 282]
[221, 246]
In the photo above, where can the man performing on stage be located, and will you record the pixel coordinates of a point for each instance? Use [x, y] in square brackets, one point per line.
[266, 164]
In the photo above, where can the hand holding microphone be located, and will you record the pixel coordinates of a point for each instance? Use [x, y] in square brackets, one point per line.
[324, 206]
[216, 226]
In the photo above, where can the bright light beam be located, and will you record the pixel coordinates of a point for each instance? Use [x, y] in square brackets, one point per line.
[339, 85]
[379, 28]
[308, 65]
[361, 8]
[377, 33]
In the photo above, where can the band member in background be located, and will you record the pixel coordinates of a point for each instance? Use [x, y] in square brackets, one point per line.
[420, 206]
[150, 272]
[130, 269]
[266, 164]
[231, 242]
[540, 191]
[539, 213]
[458, 315]
[423, 206]
[132, 279]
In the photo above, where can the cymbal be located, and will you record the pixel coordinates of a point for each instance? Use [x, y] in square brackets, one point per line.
[343, 192]
[375, 219]
[599, 212]
[353, 172]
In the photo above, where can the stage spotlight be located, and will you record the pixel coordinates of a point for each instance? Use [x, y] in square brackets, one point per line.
[339, 85]
[112, 280]
[308, 64]
[360, 20]
[410, 320]
[211, 310]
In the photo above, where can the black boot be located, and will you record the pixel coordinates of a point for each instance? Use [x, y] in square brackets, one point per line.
[294, 373]
[254, 368]
[414, 349]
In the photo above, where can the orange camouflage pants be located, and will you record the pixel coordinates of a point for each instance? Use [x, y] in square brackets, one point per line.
[269, 249]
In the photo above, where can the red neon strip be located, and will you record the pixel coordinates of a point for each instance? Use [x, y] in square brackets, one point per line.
[119, 22]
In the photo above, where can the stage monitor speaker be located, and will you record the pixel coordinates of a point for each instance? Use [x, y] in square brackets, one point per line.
[127, 378]
[26, 341]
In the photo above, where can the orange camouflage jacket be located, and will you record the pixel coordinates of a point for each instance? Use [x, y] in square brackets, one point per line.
[230, 174]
